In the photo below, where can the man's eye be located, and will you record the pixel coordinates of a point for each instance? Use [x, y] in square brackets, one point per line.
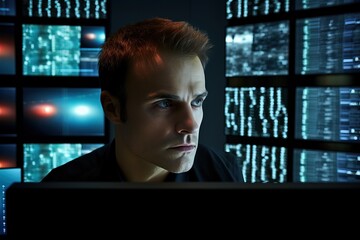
[163, 104]
[197, 102]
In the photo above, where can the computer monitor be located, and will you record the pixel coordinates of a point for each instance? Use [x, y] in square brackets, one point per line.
[62, 112]
[257, 49]
[110, 209]
[41, 158]
[7, 48]
[8, 176]
[61, 50]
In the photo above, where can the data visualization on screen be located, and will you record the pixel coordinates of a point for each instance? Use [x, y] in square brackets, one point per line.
[326, 166]
[292, 71]
[61, 50]
[328, 113]
[257, 49]
[246, 8]
[256, 112]
[261, 163]
[328, 44]
[76, 9]
[40, 159]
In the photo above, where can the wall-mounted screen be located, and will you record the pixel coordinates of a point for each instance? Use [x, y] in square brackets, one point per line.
[88, 9]
[61, 50]
[246, 8]
[7, 111]
[7, 49]
[8, 176]
[39, 159]
[62, 112]
[328, 113]
[257, 49]
[256, 112]
[7, 155]
[308, 4]
[7, 8]
[326, 166]
[328, 44]
[261, 163]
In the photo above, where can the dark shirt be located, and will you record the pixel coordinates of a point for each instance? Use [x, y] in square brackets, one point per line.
[101, 165]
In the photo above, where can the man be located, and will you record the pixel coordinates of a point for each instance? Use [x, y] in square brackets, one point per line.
[153, 88]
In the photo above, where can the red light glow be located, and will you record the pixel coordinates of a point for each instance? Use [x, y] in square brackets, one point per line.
[44, 110]
[7, 163]
[6, 112]
[90, 36]
[7, 50]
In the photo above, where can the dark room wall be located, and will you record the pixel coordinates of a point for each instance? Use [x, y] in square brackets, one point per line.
[209, 16]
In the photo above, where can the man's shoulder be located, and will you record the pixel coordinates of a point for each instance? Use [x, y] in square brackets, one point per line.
[86, 164]
[216, 162]
[214, 153]
[90, 158]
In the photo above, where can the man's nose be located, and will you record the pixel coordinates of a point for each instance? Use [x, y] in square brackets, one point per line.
[187, 122]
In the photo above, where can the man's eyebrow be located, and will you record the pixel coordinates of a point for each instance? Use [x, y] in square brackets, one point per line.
[203, 95]
[160, 95]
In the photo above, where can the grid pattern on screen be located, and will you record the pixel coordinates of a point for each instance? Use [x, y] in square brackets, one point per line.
[49, 91]
[292, 73]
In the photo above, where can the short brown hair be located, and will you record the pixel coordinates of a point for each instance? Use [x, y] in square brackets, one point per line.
[146, 38]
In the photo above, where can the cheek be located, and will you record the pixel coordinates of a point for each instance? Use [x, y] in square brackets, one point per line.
[149, 125]
[198, 115]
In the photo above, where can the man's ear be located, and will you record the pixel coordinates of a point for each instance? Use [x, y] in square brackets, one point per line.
[111, 107]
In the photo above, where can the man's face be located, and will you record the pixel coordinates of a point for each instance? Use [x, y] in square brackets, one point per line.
[164, 112]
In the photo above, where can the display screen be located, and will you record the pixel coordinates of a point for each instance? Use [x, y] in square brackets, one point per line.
[246, 8]
[88, 9]
[7, 49]
[257, 49]
[8, 176]
[7, 111]
[7, 155]
[60, 50]
[326, 166]
[308, 4]
[328, 113]
[63, 112]
[7, 8]
[39, 159]
[329, 44]
[256, 112]
[261, 163]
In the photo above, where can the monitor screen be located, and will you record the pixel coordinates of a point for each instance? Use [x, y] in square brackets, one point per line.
[61, 50]
[328, 113]
[260, 163]
[256, 111]
[8, 176]
[7, 155]
[63, 112]
[39, 159]
[87, 9]
[7, 111]
[7, 48]
[245, 8]
[328, 44]
[326, 166]
[308, 4]
[84, 210]
[257, 49]
[7, 8]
